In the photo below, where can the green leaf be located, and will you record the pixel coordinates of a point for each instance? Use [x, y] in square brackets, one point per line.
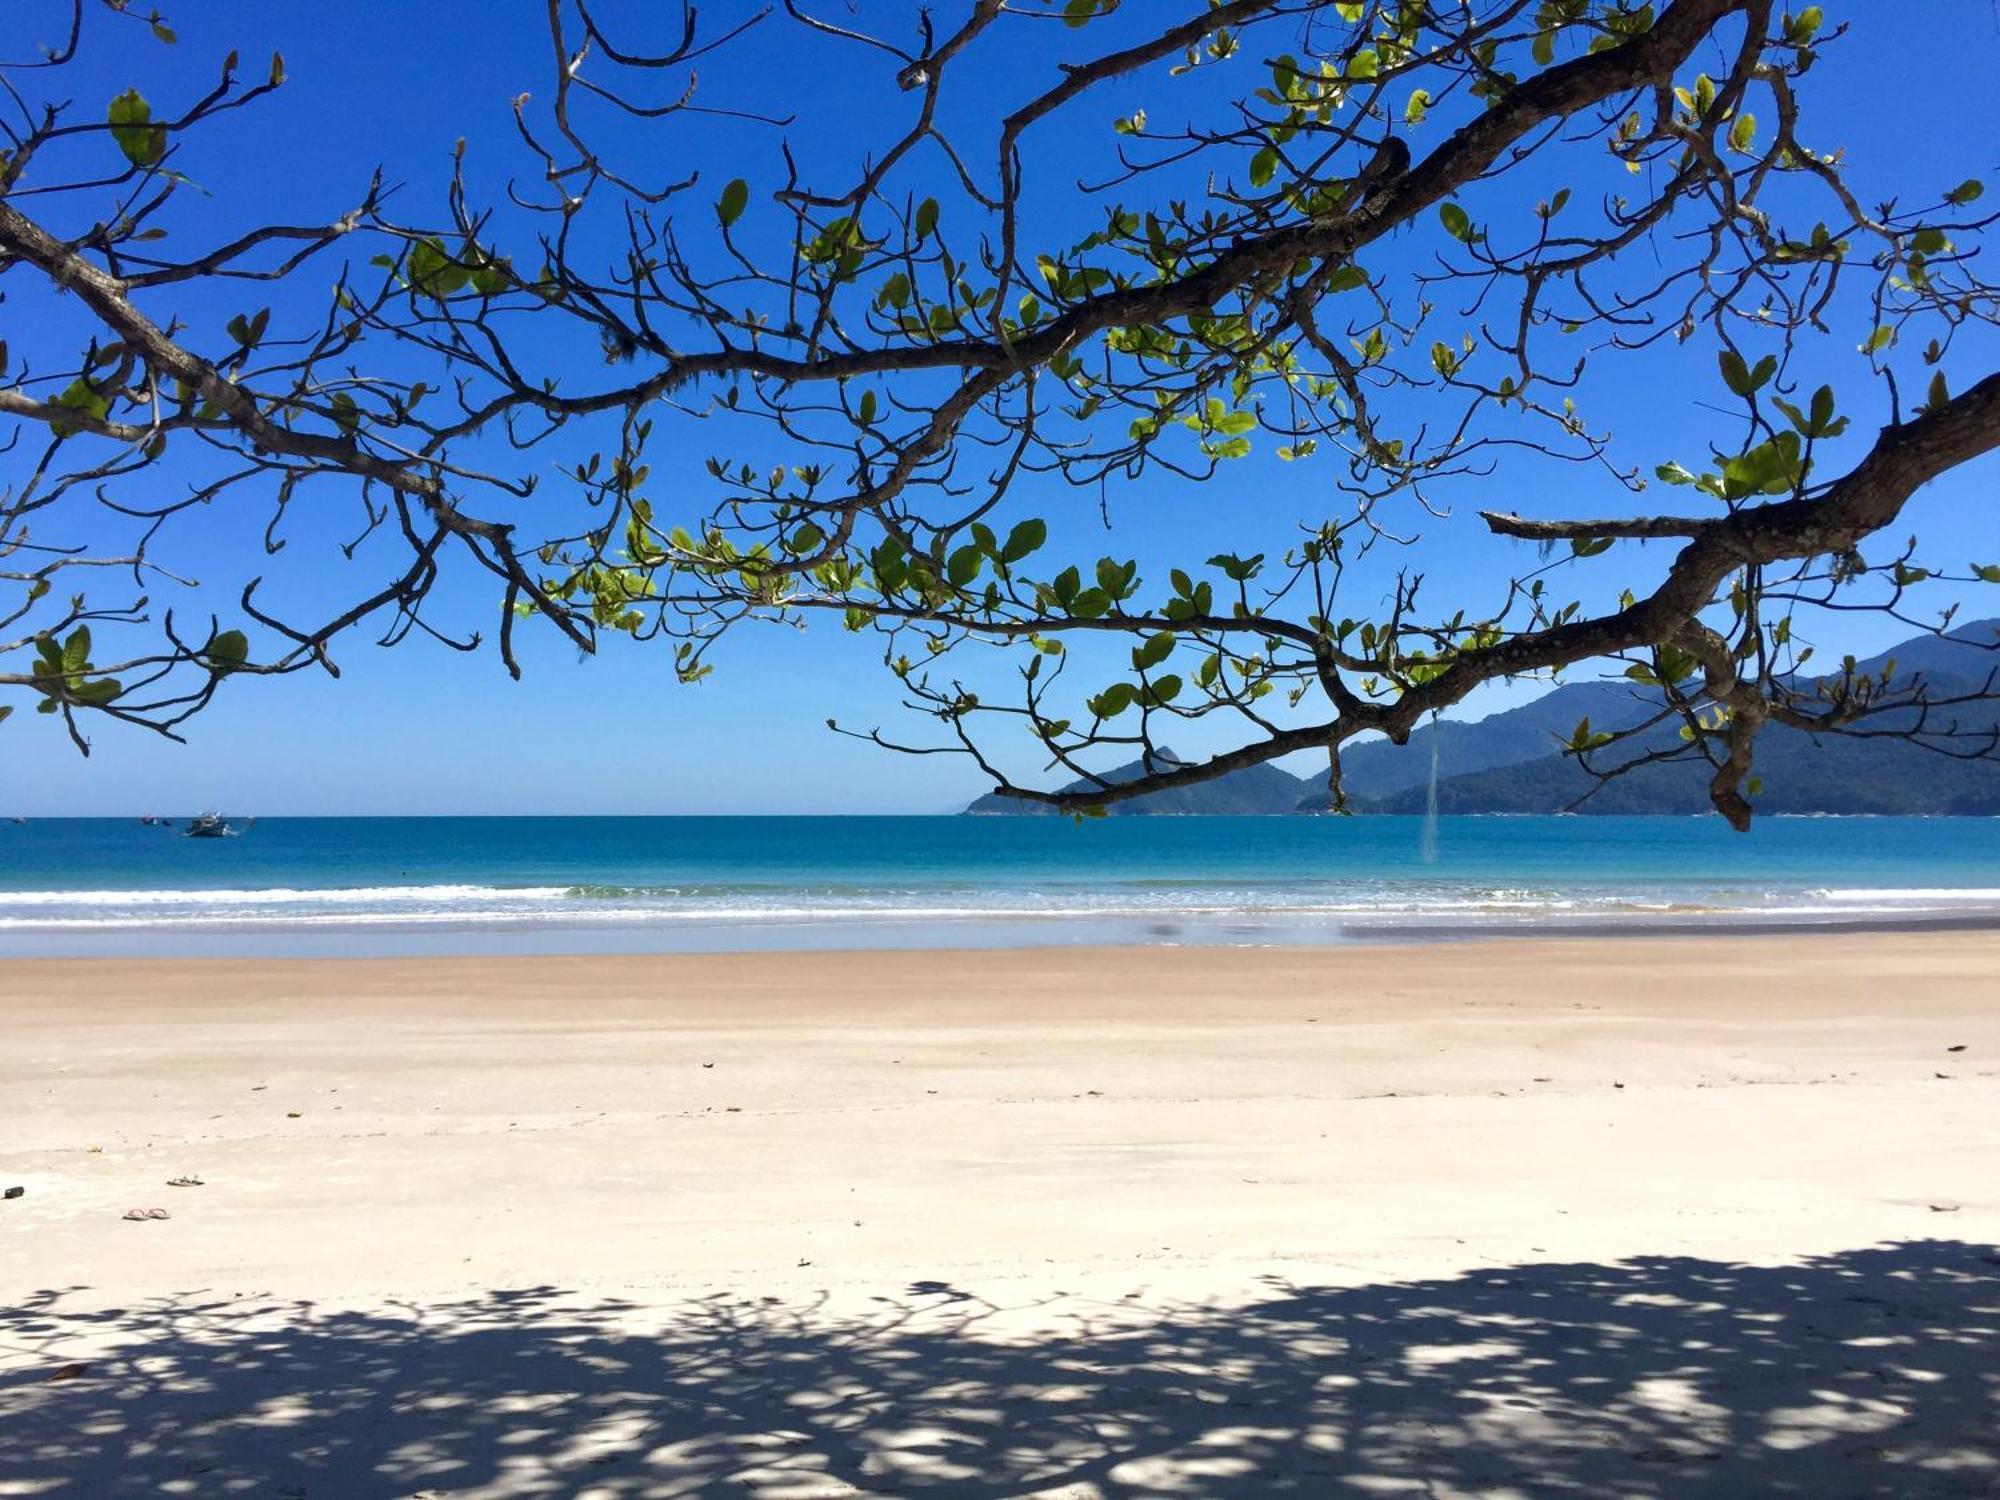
[1024, 539]
[1968, 191]
[1741, 378]
[963, 566]
[1743, 131]
[249, 332]
[491, 277]
[142, 142]
[1346, 279]
[1457, 222]
[1238, 569]
[1154, 650]
[80, 396]
[1770, 468]
[1582, 738]
[927, 217]
[1413, 112]
[1264, 166]
[1986, 572]
[227, 652]
[1589, 546]
[76, 650]
[867, 411]
[1675, 665]
[1113, 701]
[433, 271]
[735, 198]
[895, 293]
[1674, 473]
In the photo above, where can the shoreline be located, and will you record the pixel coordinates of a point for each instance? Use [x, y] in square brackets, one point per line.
[467, 886]
[700, 936]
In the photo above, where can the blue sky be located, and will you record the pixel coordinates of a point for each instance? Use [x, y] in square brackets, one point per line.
[420, 729]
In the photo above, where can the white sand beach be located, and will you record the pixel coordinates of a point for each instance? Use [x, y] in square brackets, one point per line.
[1710, 1215]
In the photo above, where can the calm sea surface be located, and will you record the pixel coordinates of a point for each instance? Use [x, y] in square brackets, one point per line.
[405, 885]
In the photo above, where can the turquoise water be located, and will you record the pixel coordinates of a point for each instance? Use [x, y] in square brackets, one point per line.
[392, 885]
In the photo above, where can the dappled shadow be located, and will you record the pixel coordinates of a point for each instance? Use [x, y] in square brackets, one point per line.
[1871, 1373]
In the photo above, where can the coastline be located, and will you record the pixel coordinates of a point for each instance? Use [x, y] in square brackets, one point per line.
[470, 886]
[429, 1178]
[446, 940]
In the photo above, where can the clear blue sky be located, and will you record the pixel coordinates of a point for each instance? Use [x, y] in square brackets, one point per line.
[420, 729]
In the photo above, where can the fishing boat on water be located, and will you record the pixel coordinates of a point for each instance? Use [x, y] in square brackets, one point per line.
[209, 826]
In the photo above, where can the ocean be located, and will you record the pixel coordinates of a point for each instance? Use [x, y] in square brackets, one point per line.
[311, 886]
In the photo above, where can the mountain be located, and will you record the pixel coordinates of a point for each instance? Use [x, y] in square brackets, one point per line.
[1255, 790]
[1376, 770]
[1511, 762]
[1799, 773]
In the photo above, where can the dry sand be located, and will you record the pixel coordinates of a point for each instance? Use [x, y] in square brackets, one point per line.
[1705, 1216]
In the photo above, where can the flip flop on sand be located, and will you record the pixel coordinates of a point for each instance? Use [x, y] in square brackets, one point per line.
[147, 1213]
[184, 1182]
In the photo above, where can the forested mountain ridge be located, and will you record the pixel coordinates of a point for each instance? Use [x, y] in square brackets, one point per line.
[1512, 761]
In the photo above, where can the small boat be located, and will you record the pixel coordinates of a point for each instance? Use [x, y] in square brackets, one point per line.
[209, 826]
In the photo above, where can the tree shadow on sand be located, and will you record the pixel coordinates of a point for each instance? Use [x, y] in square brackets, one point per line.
[1870, 1373]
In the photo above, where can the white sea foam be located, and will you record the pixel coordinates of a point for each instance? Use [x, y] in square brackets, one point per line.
[1359, 901]
[1946, 895]
[501, 907]
[282, 896]
[724, 914]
